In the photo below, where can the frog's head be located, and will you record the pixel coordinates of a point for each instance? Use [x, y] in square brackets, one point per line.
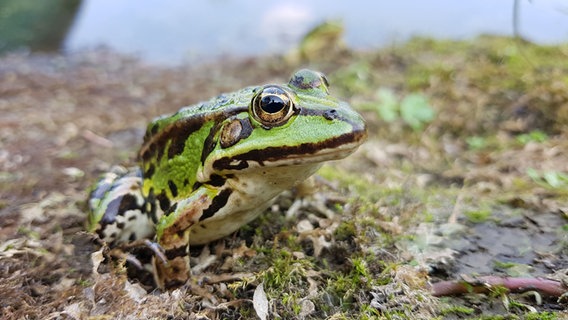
[293, 124]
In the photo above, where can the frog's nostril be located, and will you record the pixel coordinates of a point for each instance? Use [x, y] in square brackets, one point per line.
[331, 114]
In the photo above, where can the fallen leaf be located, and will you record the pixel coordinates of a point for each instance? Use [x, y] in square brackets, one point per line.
[260, 302]
[97, 257]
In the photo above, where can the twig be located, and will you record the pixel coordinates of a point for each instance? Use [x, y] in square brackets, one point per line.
[457, 208]
[545, 287]
[96, 139]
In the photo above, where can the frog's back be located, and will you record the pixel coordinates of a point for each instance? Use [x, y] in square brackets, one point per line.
[174, 145]
[214, 108]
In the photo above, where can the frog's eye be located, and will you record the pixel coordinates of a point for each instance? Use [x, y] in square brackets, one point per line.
[272, 106]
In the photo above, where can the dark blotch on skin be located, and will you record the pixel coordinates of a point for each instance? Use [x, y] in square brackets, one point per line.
[176, 252]
[171, 209]
[222, 98]
[209, 144]
[153, 209]
[177, 144]
[177, 132]
[151, 201]
[152, 150]
[163, 201]
[216, 180]
[217, 203]
[154, 129]
[150, 172]
[117, 207]
[307, 79]
[225, 163]
[196, 185]
[173, 188]
[331, 114]
[298, 82]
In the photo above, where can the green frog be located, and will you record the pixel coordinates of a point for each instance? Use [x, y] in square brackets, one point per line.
[211, 168]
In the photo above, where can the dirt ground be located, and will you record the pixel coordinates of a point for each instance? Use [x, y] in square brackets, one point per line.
[476, 184]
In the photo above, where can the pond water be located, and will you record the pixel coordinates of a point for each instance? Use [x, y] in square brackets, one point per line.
[173, 31]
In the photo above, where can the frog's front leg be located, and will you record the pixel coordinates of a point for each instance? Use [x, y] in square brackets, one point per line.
[172, 235]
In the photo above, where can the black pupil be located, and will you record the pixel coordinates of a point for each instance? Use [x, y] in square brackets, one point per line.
[272, 103]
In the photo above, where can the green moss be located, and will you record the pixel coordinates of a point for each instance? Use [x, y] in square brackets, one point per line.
[84, 282]
[292, 300]
[429, 217]
[478, 216]
[514, 269]
[368, 312]
[457, 310]
[285, 270]
[533, 136]
[541, 316]
[345, 231]
[32, 234]
[347, 179]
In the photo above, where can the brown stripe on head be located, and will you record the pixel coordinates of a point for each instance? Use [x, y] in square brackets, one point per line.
[239, 162]
[275, 153]
[210, 143]
[178, 132]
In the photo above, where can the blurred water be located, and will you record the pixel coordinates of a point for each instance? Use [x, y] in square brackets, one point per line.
[172, 31]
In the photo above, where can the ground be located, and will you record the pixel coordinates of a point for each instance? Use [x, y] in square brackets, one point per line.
[465, 173]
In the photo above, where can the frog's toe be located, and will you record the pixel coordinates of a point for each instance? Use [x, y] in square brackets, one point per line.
[157, 249]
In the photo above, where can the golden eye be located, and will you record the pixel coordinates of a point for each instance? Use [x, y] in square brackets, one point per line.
[272, 106]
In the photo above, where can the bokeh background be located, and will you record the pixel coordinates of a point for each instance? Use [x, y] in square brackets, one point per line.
[169, 32]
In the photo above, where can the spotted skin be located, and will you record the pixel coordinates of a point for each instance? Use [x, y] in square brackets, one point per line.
[127, 215]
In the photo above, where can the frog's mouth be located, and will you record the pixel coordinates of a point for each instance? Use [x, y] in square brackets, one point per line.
[332, 149]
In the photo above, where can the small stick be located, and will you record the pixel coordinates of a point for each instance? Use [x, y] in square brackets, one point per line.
[545, 287]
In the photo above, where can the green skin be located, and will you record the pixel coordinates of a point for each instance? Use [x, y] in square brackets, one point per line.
[213, 167]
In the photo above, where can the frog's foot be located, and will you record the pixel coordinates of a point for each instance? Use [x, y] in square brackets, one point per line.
[156, 249]
[159, 252]
[172, 273]
[118, 253]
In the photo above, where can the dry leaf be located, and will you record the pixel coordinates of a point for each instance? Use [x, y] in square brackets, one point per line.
[260, 302]
[97, 257]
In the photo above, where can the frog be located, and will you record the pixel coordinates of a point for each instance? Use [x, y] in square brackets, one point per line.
[210, 168]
